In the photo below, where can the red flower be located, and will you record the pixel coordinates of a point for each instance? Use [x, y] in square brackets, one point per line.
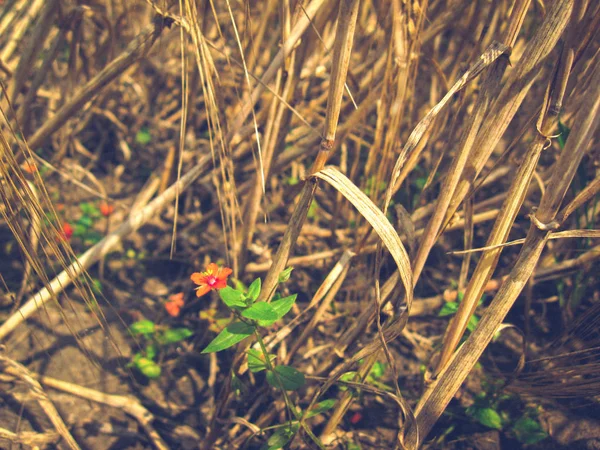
[215, 277]
[106, 209]
[67, 231]
[29, 166]
[173, 306]
[356, 417]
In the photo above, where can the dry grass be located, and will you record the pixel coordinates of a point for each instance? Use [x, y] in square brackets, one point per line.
[275, 133]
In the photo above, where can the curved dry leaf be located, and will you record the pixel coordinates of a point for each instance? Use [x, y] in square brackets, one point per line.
[378, 221]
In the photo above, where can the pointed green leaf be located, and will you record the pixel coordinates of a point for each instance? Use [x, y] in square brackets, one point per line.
[142, 327]
[321, 407]
[234, 333]
[232, 297]
[281, 307]
[260, 311]
[448, 309]
[285, 274]
[256, 360]
[254, 289]
[175, 335]
[529, 431]
[148, 367]
[290, 378]
[488, 417]
[281, 437]
[473, 321]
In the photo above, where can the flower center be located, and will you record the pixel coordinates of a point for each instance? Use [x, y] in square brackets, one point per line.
[211, 280]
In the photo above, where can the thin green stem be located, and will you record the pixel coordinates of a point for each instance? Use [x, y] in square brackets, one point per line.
[288, 402]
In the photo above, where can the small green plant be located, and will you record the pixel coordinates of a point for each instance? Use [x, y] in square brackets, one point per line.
[373, 377]
[250, 317]
[450, 308]
[143, 137]
[493, 409]
[83, 227]
[155, 338]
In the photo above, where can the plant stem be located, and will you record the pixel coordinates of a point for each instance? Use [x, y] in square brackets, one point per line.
[288, 402]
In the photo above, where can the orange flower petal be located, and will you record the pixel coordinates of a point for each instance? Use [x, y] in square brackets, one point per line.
[106, 209]
[212, 269]
[204, 289]
[220, 283]
[172, 308]
[198, 278]
[225, 272]
[177, 299]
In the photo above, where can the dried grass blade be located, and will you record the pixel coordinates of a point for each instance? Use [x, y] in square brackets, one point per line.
[558, 235]
[288, 241]
[19, 371]
[514, 200]
[344, 38]
[511, 96]
[489, 90]
[435, 400]
[487, 58]
[378, 221]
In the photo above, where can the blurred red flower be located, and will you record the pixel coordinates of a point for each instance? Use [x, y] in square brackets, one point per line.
[174, 305]
[214, 277]
[29, 166]
[67, 231]
[356, 417]
[106, 209]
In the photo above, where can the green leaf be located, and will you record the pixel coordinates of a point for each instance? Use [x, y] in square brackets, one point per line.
[93, 237]
[135, 359]
[353, 446]
[448, 309]
[290, 378]
[148, 368]
[143, 136]
[254, 289]
[281, 307]
[377, 370]
[321, 407]
[281, 437]
[89, 209]
[150, 351]
[312, 210]
[232, 297]
[473, 321]
[564, 134]
[143, 327]
[488, 417]
[175, 335]
[85, 221]
[260, 311]
[256, 360]
[234, 333]
[348, 376]
[96, 286]
[79, 230]
[285, 275]
[529, 431]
